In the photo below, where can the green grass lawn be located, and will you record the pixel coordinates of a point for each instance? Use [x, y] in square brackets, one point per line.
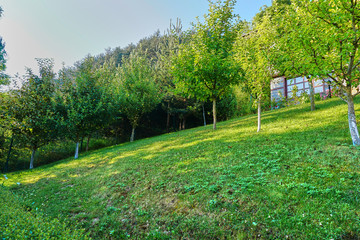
[296, 179]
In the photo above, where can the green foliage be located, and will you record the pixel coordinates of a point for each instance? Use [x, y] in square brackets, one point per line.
[167, 50]
[4, 79]
[82, 100]
[203, 67]
[297, 179]
[19, 220]
[30, 109]
[227, 106]
[52, 152]
[137, 90]
[324, 43]
[254, 51]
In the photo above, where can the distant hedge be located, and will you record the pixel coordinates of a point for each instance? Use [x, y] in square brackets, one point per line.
[18, 221]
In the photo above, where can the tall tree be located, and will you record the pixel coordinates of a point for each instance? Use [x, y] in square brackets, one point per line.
[137, 89]
[204, 67]
[4, 79]
[167, 50]
[328, 38]
[289, 60]
[32, 107]
[83, 102]
[254, 50]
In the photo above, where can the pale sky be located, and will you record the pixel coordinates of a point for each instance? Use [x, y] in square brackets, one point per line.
[68, 30]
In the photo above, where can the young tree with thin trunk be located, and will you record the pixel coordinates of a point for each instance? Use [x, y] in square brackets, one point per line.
[253, 53]
[168, 48]
[137, 90]
[33, 109]
[82, 101]
[204, 67]
[4, 79]
[328, 39]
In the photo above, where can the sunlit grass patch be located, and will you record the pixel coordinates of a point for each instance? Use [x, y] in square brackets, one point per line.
[299, 178]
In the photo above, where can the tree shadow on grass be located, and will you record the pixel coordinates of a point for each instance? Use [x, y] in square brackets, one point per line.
[296, 156]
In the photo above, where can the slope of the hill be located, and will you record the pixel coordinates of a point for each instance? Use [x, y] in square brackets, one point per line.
[297, 179]
[20, 221]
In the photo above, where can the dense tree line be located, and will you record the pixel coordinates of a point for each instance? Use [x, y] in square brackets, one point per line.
[173, 80]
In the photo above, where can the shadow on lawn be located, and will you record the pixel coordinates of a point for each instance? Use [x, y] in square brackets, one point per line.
[299, 127]
[296, 159]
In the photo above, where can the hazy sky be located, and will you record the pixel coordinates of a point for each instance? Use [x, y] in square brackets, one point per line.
[67, 30]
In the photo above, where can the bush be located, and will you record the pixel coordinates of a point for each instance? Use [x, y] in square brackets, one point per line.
[244, 102]
[18, 221]
[226, 107]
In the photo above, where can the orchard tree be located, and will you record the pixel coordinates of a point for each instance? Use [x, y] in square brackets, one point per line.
[137, 89]
[32, 109]
[83, 103]
[289, 60]
[204, 67]
[4, 79]
[328, 38]
[254, 50]
[168, 48]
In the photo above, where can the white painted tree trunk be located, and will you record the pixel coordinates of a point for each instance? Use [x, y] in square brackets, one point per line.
[259, 116]
[352, 122]
[32, 158]
[214, 114]
[132, 135]
[77, 151]
[312, 95]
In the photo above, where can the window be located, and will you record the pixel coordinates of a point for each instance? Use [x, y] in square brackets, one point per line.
[319, 89]
[277, 83]
[318, 82]
[277, 94]
[290, 81]
[300, 86]
[299, 79]
[290, 88]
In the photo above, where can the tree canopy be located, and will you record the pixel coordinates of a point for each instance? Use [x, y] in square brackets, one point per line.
[323, 41]
[137, 89]
[203, 67]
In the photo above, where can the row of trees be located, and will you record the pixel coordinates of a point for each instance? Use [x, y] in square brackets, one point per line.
[182, 71]
[317, 39]
[79, 101]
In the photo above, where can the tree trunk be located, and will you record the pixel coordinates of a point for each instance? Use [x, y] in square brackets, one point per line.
[214, 114]
[32, 158]
[87, 144]
[168, 118]
[204, 114]
[183, 123]
[352, 120]
[259, 115]
[81, 144]
[312, 94]
[8, 156]
[132, 135]
[77, 150]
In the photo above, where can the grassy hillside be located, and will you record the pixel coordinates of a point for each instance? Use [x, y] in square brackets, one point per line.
[20, 221]
[297, 179]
